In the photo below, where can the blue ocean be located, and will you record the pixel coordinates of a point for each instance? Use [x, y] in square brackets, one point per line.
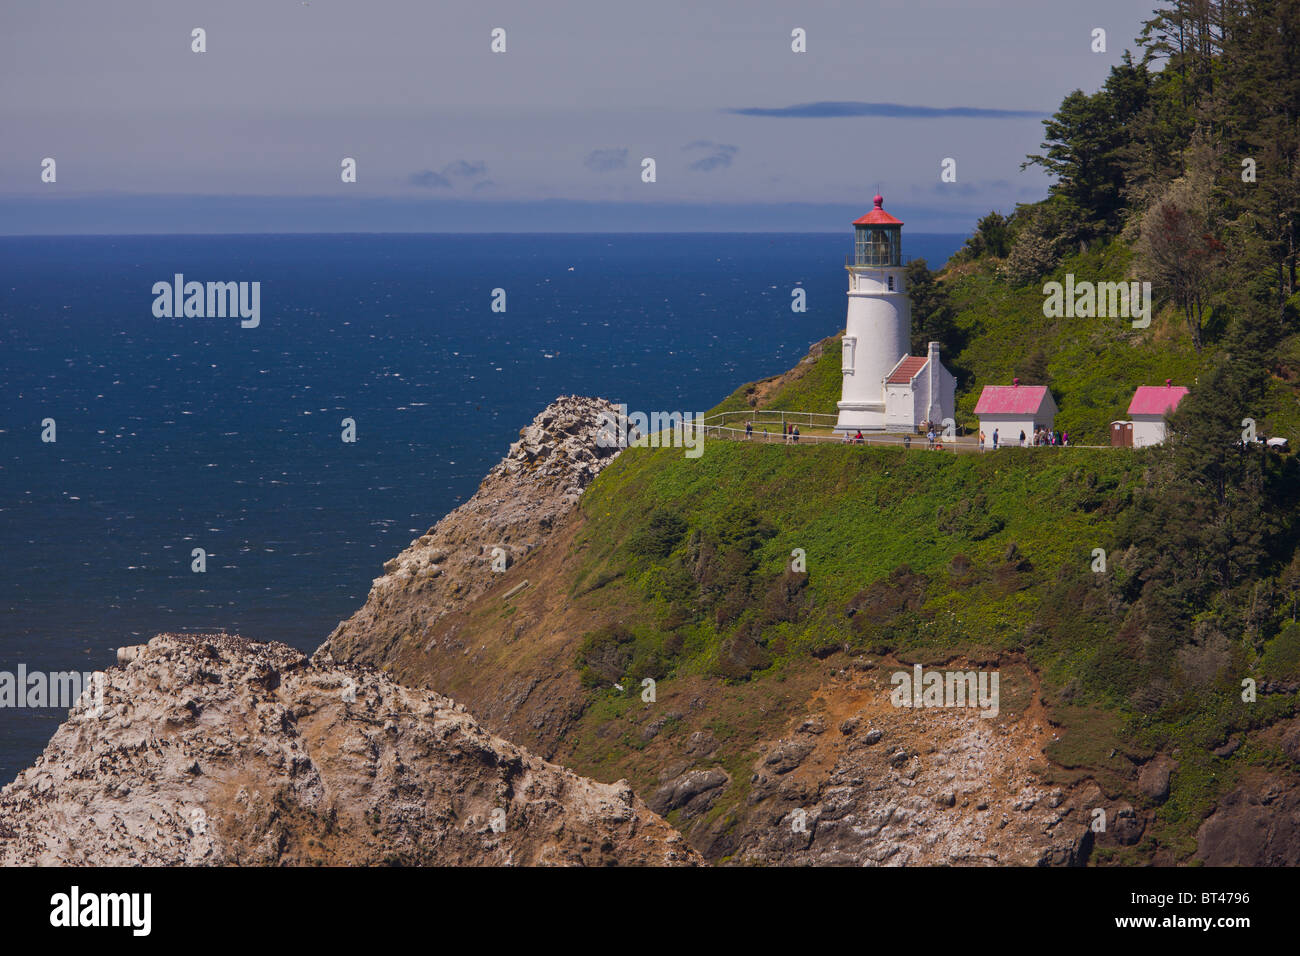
[179, 433]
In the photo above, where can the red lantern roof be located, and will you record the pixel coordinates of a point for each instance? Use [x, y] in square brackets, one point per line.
[878, 216]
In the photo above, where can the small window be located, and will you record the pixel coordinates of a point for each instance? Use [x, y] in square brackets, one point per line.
[891, 283]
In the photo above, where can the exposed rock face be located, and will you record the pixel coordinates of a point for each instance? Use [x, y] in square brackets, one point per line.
[693, 792]
[209, 749]
[1254, 825]
[520, 500]
[1291, 741]
[899, 787]
[1154, 778]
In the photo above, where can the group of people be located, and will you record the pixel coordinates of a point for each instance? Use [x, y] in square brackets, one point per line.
[1047, 436]
[933, 440]
[789, 430]
[1042, 436]
[854, 439]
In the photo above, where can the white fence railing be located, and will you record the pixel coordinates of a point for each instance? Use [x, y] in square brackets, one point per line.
[771, 417]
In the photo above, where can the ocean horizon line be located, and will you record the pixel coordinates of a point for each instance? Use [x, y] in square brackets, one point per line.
[158, 214]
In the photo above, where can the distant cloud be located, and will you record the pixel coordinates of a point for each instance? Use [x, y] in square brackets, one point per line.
[460, 169]
[466, 169]
[606, 160]
[719, 156]
[484, 184]
[430, 180]
[841, 108]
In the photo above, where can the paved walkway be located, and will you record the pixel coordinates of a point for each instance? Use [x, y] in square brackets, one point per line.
[964, 443]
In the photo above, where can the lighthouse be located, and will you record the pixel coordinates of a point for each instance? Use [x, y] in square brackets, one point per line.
[885, 388]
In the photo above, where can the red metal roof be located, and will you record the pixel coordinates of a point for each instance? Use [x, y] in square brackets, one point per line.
[1156, 399]
[906, 369]
[1012, 399]
[878, 216]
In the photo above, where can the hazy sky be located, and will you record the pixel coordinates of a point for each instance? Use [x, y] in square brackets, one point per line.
[150, 136]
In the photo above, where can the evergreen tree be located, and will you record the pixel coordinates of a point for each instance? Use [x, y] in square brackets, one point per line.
[933, 319]
[1086, 148]
[1032, 370]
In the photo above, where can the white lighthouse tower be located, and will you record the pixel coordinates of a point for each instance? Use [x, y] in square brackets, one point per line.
[884, 387]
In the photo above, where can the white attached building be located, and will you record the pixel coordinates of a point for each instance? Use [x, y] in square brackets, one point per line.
[884, 388]
[1012, 409]
[1150, 405]
[918, 389]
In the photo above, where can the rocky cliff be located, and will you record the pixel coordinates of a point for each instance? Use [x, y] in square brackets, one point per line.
[212, 750]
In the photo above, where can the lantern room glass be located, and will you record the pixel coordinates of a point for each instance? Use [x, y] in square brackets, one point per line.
[877, 246]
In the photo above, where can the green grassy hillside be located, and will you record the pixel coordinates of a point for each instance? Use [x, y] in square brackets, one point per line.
[926, 556]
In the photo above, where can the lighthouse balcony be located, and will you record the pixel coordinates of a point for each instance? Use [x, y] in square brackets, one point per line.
[852, 262]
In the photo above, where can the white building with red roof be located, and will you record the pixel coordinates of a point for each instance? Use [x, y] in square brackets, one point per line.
[884, 388]
[1150, 405]
[1013, 410]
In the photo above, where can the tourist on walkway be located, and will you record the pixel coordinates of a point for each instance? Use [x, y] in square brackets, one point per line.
[749, 430]
[981, 439]
[1022, 438]
[995, 439]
